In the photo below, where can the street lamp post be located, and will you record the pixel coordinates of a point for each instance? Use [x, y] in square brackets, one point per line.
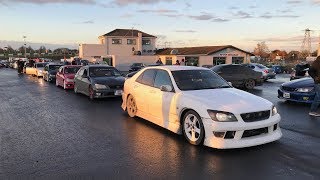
[25, 46]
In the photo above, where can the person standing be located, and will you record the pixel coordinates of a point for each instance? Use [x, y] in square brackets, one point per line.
[314, 72]
[177, 63]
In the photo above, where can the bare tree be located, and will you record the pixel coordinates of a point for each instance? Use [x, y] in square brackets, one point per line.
[262, 50]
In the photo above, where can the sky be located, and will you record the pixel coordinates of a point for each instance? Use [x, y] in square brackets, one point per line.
[176, 23]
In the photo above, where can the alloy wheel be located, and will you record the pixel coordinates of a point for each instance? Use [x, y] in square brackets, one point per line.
[131, 106]
[193, 128]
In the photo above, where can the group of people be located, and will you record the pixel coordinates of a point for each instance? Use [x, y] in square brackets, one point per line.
[178, 63]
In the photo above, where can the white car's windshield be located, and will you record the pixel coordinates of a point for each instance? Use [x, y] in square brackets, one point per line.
[198, 79]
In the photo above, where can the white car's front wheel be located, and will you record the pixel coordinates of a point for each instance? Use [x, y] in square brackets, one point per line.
[131, 106]
[193, 129]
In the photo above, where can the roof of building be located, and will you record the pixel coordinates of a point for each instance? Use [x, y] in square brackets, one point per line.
[127, 32]
[206, 50]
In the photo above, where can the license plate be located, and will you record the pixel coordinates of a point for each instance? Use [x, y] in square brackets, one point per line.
[118, 92]
[286, 95]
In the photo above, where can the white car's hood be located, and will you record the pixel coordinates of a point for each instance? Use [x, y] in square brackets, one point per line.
[229, 100]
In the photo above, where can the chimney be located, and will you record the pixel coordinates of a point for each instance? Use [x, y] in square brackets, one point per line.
[139, 42]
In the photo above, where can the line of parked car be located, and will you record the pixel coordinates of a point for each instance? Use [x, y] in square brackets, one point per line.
[195, 102]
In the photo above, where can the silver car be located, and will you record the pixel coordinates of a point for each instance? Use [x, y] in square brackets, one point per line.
[267, 73]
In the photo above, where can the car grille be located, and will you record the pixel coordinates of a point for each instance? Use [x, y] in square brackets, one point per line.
[255, 116]
[254, 132]
[116, 87]
[289, 89]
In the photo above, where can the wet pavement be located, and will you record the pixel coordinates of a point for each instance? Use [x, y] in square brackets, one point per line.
[46, 131]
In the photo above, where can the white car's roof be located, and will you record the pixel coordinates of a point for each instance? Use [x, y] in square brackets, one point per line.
[177, 68]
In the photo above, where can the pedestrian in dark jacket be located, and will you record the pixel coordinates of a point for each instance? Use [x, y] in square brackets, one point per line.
[314, 72]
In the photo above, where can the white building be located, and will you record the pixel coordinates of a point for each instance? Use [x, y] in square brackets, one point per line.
[121, 48]
[205, 55]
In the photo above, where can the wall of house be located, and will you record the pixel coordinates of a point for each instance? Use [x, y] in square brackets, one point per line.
[88, 51]
[126, 49]
[123, 63]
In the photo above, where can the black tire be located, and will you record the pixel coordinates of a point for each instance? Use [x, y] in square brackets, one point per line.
[189, 128]
[91, 93]
[75, 89]
[249, 84]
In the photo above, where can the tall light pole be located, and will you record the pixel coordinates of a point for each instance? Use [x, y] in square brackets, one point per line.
[25, 46]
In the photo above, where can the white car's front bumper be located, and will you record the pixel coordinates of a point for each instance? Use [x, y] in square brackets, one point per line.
[270, 133]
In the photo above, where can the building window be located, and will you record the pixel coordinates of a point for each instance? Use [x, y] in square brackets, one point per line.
[168, 60]
[237, 60]
[218, 60]
[116, 41]
[146, 42]
[131, 41]
[192, 61]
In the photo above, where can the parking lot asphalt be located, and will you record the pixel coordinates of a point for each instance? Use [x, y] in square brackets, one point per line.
[47, 132]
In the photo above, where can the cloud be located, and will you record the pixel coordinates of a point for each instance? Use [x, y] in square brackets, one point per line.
[185, 31]
[233, 7]
[160, 11]
[294, 2]
[268, 15]
[127, 15]
[317, 2]
[298, 39]
[202, 17]
[40, 2]
[220, 20]
[242, 15]
[284, 11]
[128, 2]
[88, 22]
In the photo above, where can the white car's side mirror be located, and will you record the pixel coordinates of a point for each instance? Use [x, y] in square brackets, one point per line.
[166, 88]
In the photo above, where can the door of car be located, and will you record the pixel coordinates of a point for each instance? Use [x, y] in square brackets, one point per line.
[159, 102]
[59, 76]
[78, 78]
[142, 89]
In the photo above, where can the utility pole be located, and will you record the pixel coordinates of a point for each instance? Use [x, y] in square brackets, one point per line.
[25, 46]
[306, 44]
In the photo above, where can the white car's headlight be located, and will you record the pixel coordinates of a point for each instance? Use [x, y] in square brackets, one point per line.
[274, 111]
[101, 86]
[222, 116]
[305, 90]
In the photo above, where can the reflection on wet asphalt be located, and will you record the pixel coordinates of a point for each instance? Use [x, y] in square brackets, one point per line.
[46, 131]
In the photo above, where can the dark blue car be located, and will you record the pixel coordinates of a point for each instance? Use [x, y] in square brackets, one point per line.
[301, 90]
[277, 69]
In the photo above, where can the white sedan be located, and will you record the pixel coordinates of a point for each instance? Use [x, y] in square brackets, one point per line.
[202, 106]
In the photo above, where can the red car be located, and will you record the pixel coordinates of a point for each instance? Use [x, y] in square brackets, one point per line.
[65, 76]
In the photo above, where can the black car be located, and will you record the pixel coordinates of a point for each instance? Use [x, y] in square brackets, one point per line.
[136, 67]
[99, 81]
[300, 71]
[50, 71]
[300, 90]
[240, 76]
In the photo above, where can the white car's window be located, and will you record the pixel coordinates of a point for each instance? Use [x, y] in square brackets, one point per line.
[147, 77]
[162, 78]
[198, 79]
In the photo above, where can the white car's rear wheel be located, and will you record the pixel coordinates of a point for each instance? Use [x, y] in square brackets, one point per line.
[193, 129]
[131, 106]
